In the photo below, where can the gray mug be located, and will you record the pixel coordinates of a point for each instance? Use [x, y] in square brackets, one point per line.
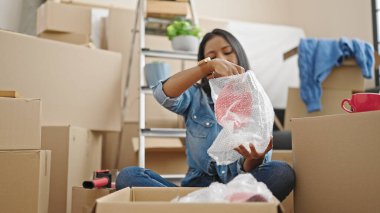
[156, 71]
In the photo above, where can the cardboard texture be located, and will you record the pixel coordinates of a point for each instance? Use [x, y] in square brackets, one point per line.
[166, 9]
[84, 200]
[336, 163]
[73, 38]
[330, 100]
[24, 181]
[20, 123]
[163, 155]
[76, 154]
[78, 85]
[101, 3]
[139, 200]
[67, 18]
[347, 77]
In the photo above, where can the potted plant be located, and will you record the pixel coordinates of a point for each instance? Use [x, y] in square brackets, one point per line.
[184, 35]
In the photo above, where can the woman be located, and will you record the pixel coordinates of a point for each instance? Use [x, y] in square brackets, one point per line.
[220, 54]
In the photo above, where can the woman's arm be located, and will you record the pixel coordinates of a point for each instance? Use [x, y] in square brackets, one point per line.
[181, 81]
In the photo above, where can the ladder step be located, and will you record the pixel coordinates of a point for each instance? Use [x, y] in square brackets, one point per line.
[169, 54]
[146, 90]
[164, 132]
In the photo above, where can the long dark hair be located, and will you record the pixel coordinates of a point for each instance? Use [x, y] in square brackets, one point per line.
[236, 46]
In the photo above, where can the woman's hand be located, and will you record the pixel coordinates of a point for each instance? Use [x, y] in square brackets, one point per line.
[221, 67]
[253, 158]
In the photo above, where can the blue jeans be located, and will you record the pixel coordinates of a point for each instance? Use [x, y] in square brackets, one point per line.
[277, 175]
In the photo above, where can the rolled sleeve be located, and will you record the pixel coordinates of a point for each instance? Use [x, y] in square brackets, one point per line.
[178, 104]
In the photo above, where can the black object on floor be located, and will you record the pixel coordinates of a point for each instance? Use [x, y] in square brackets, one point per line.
[282, 140]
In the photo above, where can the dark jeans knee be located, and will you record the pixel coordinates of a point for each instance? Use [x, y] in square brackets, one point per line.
[125, 175]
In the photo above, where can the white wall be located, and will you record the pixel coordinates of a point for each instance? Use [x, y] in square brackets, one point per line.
[333, 18]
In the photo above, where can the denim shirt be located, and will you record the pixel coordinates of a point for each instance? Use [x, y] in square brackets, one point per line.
[201, 131]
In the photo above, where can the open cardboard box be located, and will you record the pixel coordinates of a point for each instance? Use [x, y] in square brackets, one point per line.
[157, 199]
[336, 161]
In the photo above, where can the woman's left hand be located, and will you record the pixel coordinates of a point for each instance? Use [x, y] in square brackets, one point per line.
[253, 154]
[253, 159]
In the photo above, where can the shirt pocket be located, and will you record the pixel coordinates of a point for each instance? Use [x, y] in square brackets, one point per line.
[200, 125]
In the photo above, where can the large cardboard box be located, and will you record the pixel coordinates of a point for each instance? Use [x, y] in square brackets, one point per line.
[141, 200]
[336, 163]
[76, 154]
[78, 85]
[67, 18]
[330, 102]
[163, 155]
[24, 181]
[20, 123]
[84, 200]
[72, 38]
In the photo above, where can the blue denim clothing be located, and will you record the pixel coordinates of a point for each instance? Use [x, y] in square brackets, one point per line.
[201, 131]
[316, 59]
[278, 176]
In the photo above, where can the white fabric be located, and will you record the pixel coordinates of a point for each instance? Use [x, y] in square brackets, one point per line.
[265, 45]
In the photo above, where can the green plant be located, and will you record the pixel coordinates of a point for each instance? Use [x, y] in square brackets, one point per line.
[182, 27]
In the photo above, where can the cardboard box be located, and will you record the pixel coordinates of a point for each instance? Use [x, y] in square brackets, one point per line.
[67, 18]
[76, 154]
[336, 163]
[20, 123]
[166, 9]
[84, 200]
[78, 85]
[72, 38]
[163, 155]
[9, 94]
[330, 102]
[347, 77]
[102, 4]
[287, 156]
[139, 200]
[24, 181]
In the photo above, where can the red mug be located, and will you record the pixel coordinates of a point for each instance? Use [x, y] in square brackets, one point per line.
[362, 102]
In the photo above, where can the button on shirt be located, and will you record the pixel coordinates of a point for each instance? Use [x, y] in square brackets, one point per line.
[201, 130]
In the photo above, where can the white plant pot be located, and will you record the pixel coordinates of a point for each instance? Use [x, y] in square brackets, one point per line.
[185, 43]
[156, 71]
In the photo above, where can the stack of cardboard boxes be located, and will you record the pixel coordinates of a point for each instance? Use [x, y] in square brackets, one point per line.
[340, 84]
[25, 166]
[81, 89]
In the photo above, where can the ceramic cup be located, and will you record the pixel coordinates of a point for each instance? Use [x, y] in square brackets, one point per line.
[362, 102]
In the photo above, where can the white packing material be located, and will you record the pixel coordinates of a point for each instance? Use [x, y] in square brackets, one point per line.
[246, 114]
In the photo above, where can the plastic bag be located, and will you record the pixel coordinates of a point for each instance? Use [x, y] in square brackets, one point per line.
[243, 188]
[244, 110]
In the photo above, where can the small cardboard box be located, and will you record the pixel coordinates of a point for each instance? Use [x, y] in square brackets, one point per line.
[78, 85]
[166, 9]
[76, 154]
[84, 200]
[330, 101]
[20, 123]
[336, 163]
[67, 18]
[141, 200]
[24, 181]
[163, 155]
